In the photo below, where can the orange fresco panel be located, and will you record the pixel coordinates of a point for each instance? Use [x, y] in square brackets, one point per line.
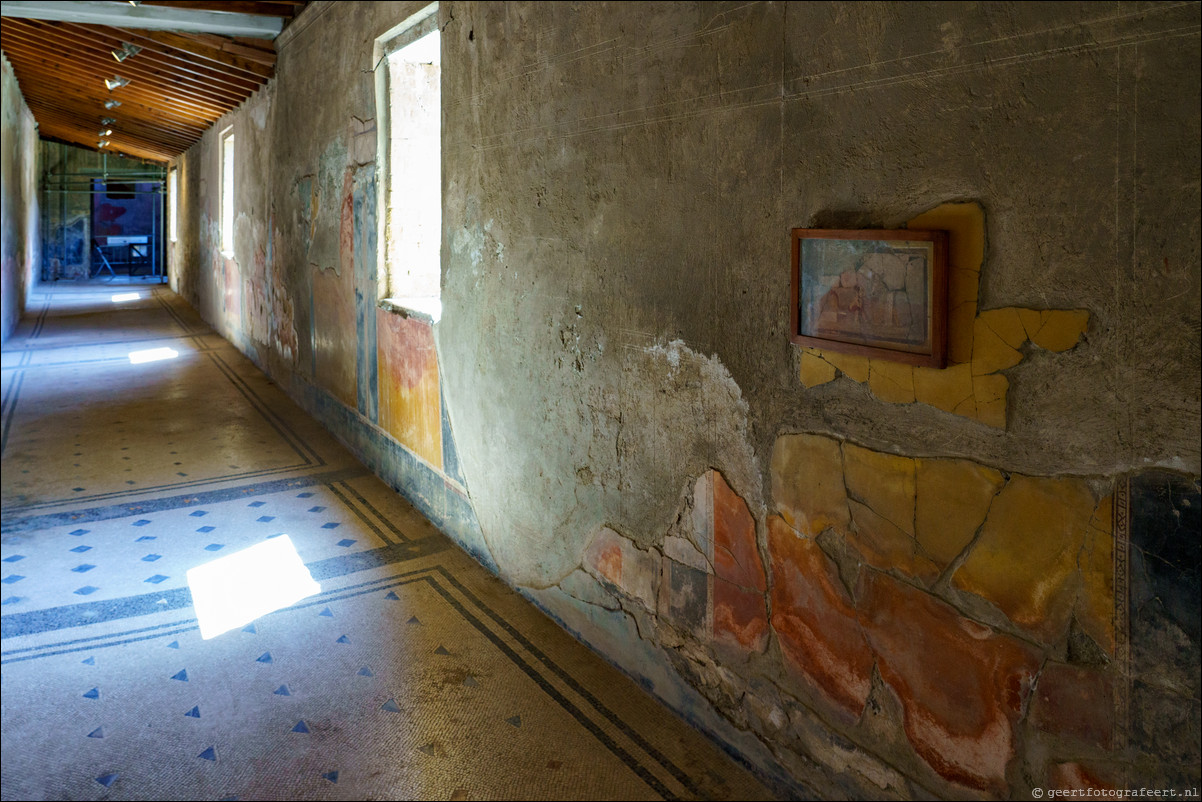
[410, 409]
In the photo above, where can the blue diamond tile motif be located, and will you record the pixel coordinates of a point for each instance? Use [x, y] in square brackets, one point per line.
[200, 513]
[265, 518]
[97, 733]
[256, 504]
[345, 542]
[316, 509]
[12, 579]
[304, 495]
[332, 776]
[194, 712]
[182, 676]
[92, 694]
[392, 596]
[149, 558]
[282, 691]
[251, 629]
[327, 612]
[12, 600]
[515, 721]
[19, 557]
[215, 547]
[300, 726]
[391, 706]
[156, 579]
[365, 672]
[107, 779]
[145, 538]
[79, 532]
[141, 522]
[331, 525]
[206, 529]
[343, 639]
[173, 645]
[264, 658]
[83, 568]
[88, 661]
[86, 590]
[81, 549]
[209, 754]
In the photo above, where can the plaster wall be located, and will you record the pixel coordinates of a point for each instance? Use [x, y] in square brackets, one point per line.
[18, 194]
[865, 580]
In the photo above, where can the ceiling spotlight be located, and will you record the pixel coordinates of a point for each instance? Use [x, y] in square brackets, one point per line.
[106, 132]
[112, 104]
[116, 82]
[108, 121]
[102, 143]
[126, 51]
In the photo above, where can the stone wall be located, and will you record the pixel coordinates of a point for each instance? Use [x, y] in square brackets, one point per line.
[18, 193]
[865, 579]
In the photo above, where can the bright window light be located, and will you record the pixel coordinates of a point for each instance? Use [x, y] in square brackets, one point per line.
[122, 297]
[227, 192]
[152, 355]
[233, 591]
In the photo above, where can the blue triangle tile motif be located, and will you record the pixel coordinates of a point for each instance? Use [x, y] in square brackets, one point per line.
[194, 712]
[107, 779]
[304, 495]
[77, 550]
[97, 733]
[346, 541]
[209, 754]
[156, 579]
[19, 557]
[92, 694]
[365, 672]
[413, 620]
[515, 721]
[144, 538]
[251, 629]
[173, 645]
[331, 525]
[12, 600]
[141, 522]
[199, 514]
[327, 613]
[182, 676]
[343, 639]
[14, 578]
[282, 691]
[206, 529]
[264, 658]
[391, 706]
[470, 682]
[149, 558]
[441, 650]
[86, 590]
[256, 504]
[215, 547]
[427, 749]
[316, 509]
[265, 518]
[392, 596]
[332, 776]
[88, 661]
[79, 532]
[300, 726]
[83, 568]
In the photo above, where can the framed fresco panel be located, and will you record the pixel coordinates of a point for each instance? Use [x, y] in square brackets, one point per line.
[876, 293]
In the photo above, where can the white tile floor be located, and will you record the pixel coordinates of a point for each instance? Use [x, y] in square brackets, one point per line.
[413, 674]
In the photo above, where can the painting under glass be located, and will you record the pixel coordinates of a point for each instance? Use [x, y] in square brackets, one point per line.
[867, 291]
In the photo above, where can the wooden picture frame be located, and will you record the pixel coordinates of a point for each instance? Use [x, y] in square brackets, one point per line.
[876, 293]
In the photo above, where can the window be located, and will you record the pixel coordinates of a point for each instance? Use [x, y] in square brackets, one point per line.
[227, 192]
[173, 204]
[409, 99]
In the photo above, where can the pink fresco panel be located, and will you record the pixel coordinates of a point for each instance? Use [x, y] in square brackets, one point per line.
[408, 379]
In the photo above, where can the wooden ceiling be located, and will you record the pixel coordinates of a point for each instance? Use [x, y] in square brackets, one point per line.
[180, 83]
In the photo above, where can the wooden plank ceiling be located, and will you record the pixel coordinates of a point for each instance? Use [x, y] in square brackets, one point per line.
[179, 83]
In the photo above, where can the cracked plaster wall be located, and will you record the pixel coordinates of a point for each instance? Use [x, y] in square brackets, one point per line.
[613, 358]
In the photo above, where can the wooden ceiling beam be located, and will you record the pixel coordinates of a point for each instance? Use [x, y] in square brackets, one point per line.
[262, 9]
[214, 53]
[143, 152]
[94, 58]
[44, 111]
[202, 69]
[228, 45]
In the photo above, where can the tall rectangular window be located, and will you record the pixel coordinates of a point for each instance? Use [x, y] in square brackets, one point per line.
[173, 204]
[227, 192]
[411, 185]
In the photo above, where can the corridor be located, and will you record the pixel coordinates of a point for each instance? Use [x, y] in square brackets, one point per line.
[412, 674]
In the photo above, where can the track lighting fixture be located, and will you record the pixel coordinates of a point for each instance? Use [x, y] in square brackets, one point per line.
[116, 82]
[112, 104]
[125, 51]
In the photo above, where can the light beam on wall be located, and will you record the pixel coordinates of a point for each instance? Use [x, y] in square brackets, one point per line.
[233, 591]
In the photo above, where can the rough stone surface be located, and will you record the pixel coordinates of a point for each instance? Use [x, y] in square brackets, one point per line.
[20, 253]
[1075, 702]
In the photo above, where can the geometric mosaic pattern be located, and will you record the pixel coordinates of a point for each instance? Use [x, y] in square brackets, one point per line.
[412, 674]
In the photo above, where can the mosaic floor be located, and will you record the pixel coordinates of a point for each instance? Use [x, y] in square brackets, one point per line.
[412, 674]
